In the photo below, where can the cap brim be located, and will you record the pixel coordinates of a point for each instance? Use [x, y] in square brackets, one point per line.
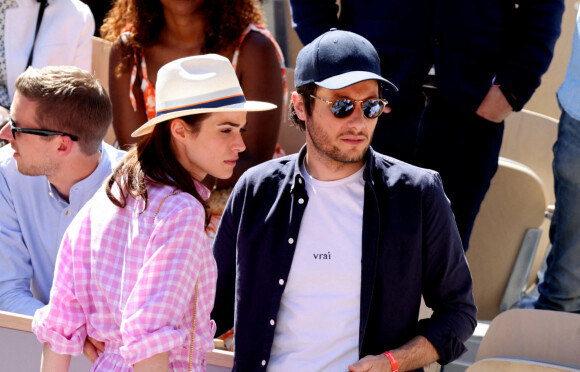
[246, 106]
[352, 77]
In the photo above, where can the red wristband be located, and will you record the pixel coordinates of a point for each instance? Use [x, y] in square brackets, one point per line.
[394, 364]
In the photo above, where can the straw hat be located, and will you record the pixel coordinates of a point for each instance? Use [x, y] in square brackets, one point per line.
[197, 85]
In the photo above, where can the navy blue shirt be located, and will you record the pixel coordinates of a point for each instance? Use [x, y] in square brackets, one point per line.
[410, 247]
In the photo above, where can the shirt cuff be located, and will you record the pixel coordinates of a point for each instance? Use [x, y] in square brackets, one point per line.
[511, 98]
[59, 343]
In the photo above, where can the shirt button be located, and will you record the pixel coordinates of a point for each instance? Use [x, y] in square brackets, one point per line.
[291, 241]
[272, 322]
[68, 213]
[263, 362]
[300, 201]
[281, 281]
[300, 180]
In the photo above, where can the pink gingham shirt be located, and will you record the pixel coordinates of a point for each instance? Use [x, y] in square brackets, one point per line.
[128, 278]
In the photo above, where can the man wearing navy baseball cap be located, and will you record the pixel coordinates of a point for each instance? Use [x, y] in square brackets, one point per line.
[323, 255]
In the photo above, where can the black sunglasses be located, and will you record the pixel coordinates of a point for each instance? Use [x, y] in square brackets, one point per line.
[37, 132]
[342, 107]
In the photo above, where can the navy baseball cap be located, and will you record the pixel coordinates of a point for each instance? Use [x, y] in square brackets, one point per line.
[337, 59]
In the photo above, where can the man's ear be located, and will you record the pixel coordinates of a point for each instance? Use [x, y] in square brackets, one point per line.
[299, 107]
[178, 130]
[64, 145]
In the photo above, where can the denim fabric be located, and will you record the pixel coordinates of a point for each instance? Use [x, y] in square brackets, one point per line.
[560, 289]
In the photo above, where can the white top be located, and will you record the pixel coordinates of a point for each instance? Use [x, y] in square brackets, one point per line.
[318, 323]
[64, 37]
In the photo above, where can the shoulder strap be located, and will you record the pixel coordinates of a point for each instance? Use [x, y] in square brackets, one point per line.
[239, 45]
[43, 4]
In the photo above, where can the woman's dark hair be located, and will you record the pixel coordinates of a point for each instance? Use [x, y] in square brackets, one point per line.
[226, 20]
[153, 160]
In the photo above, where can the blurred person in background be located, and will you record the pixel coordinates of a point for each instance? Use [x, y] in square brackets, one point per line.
[41, 33]
[560, 287]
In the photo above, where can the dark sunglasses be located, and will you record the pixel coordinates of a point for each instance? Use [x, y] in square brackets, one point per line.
[37, 132]
[372, 108]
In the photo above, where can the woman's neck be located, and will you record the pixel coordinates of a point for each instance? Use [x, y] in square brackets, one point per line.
[183, 31]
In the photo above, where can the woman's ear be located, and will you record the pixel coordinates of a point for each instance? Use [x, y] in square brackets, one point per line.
[178, 129]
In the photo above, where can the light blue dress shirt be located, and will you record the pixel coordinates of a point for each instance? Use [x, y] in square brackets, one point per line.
[33, 219]
[569, 92]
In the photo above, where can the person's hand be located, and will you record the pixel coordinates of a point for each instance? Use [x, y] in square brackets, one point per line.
[494, 106]
[371, 363]
[93, 348]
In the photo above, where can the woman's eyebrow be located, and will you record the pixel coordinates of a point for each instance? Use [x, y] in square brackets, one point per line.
[236, 125]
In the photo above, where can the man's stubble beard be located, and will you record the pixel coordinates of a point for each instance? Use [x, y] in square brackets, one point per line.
[323, 145]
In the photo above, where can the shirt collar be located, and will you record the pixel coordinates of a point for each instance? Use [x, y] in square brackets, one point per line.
[203, 191]
[95, 179]
[297, 175]
[92, 182]
[54, 194]
[369, 166]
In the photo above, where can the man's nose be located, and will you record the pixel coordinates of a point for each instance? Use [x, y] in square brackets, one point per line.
[6, 132]
[357, 119]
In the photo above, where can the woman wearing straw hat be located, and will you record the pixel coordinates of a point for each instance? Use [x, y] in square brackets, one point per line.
[135, 269]
[149, 34]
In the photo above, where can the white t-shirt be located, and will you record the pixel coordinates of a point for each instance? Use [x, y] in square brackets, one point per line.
[318, 323]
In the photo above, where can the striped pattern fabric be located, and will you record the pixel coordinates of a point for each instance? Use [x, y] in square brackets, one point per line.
[220, 102]
[127, 277]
